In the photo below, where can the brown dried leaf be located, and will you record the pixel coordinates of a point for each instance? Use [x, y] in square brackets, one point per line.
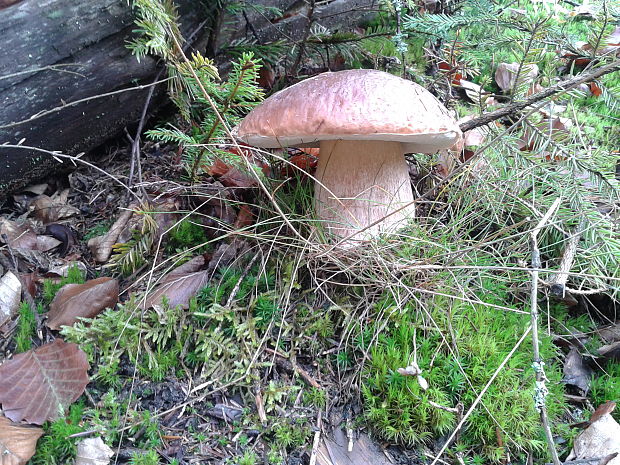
[82, 300]
[10, 296]
[506, 75]
[180, 285]
[576, 372]
[17, 442]
[474, 92]
[50, 210]
[30, 282]
[21, 236]
[599, 440]
[93, 451]
[101, 246]
[38, 385]
[244, 218]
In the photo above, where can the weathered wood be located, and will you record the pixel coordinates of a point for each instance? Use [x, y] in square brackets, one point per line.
[56, 52]
[59, 51]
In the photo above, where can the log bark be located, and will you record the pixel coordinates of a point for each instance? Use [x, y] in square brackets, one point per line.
[56, 52]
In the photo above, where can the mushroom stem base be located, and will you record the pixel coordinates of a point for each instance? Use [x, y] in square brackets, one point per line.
[362, 187]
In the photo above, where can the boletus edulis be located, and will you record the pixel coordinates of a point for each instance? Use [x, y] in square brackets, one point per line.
[364, 122]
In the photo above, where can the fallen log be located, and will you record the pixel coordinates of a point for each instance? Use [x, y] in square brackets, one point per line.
[68, 82]
[58, 52]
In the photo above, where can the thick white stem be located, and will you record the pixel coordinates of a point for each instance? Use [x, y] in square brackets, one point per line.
[359, 183]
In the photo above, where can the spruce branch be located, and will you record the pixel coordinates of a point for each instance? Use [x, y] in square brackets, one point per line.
[546, 93]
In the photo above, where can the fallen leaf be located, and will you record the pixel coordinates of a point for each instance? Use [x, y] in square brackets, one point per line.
[30, 280]
[50, 210]
[244, 218]
[613, 41]
[64, 234]
[82, 300]
[17, 442]
[60, 269]
[225, 412]
[610, 350]
[10, 296]
[595, 89]
[37, 189]
[474, 92]
[576, 372]
[506, 75]
[101, 246]
[21, 236]
[38, 385]
[93, 451]
[610, 333]
[180, 285]
[598, 441]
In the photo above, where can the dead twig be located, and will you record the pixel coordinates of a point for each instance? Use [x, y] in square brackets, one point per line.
[558, 282]
[541, 391]
[548, 92]
[317, 438]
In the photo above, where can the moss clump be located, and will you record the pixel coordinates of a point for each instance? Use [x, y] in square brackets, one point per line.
[51, 287]
[56, 447]
[458, 351]
[26, 327]
[186, 234]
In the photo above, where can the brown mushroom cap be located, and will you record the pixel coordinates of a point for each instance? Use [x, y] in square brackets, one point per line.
[357, 104]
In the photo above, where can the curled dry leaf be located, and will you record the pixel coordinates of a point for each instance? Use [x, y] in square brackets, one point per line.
[17, 442]
[38, 385]
[244, 218]
[21, 236]
[82, 300]
[180, 285]
[10, 296]
[506, 75]
[576, 372]
[51, 209]
[474, 92]
[93, 451]
[101, 246]
[598, 441]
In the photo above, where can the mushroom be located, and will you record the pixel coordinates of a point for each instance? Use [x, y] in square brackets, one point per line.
[364, 122]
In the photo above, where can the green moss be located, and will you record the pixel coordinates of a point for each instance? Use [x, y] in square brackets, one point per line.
[56, 447]
[187, 234]
[458, 358]
[26, 327]
[50, 287]
[606, 386]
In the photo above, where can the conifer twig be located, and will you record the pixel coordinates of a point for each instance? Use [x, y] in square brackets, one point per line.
[541, 391]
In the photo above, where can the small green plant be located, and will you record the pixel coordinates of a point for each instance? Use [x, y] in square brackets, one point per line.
[150, 457]
[98, 229]
[187, 234]
[50, 287]
[606, 386]
[287, 435]
[316, 397]
[56, 447]
[249, 457]
[26, 327]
